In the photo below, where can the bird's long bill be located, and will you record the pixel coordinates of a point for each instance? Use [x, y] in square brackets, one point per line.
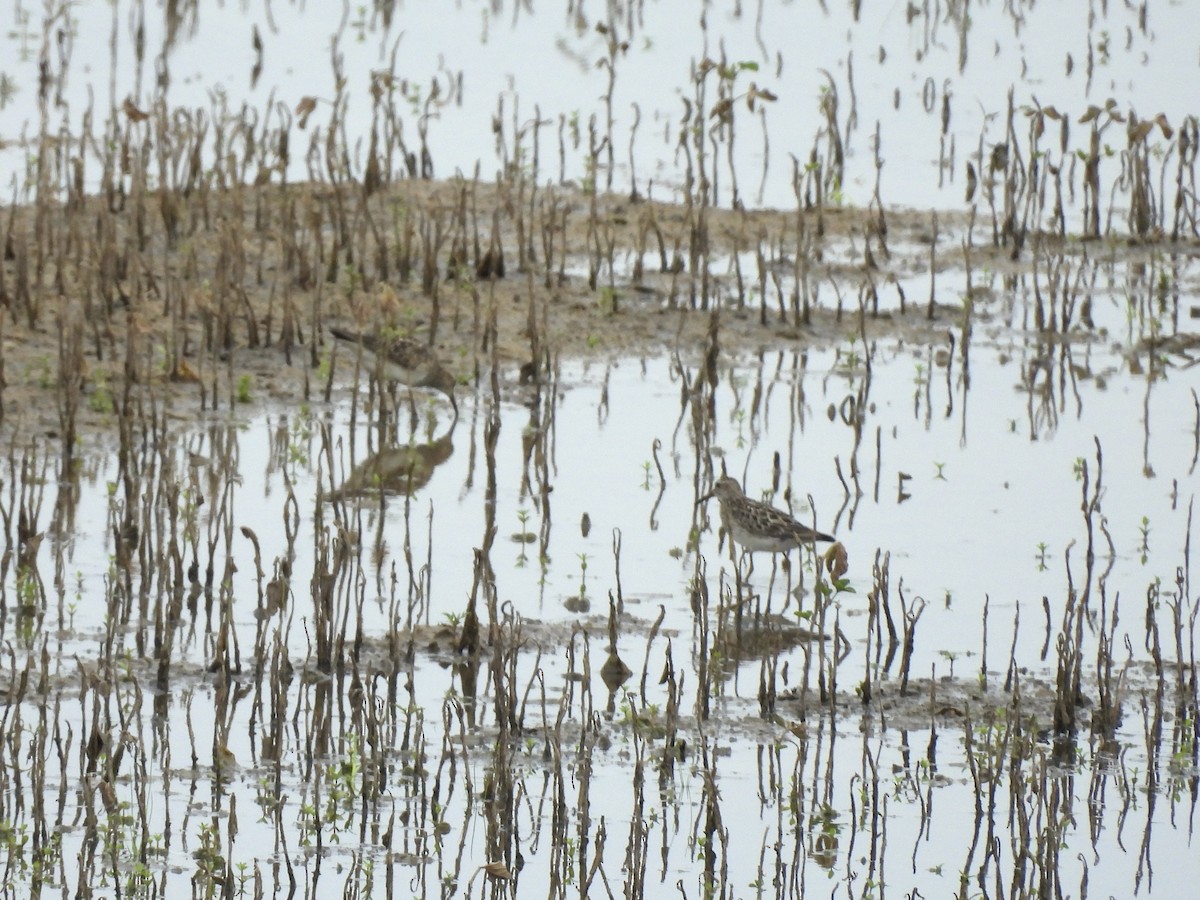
[706, 498]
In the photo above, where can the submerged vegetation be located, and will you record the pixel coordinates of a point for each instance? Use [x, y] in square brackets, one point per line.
[261, 636]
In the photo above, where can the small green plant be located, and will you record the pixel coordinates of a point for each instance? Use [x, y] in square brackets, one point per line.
[210, 863]
[524, 537]
[242, 393]
[850, 359]
[345, 777]
[950, 656]
[15, 840]
[607, 301]
[100, 399]
[42, 372]
[73, 605]
[29, 593]
[307, 822]
[352, 280]
[830, 591]
[836, 196]
[297, 454]
[243, 877]
[583, 564]
[1181, 759]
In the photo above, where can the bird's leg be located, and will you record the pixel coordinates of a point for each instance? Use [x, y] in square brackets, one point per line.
[771, 580]
[742, 578]
[412, 409]
[786, 565]
[380, 406]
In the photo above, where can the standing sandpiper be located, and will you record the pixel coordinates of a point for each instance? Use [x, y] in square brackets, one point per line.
[758, 526]
[402, 359]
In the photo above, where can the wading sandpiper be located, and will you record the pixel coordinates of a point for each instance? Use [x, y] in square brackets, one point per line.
[401, 359]
[757, 526]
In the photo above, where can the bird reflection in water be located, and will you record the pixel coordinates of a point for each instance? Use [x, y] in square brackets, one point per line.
[402, 469]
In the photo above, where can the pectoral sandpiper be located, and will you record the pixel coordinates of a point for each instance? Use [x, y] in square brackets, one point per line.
[402, 359]
[753, 525]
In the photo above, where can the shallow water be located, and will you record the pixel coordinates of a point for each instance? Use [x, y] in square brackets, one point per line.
[990, 477]
[991, 511]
